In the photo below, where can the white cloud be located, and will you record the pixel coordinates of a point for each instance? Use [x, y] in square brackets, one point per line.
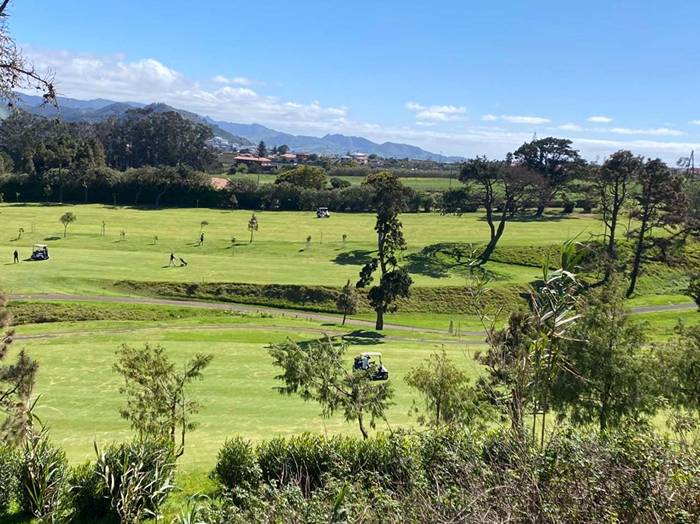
[238, 80]
[659, 131]
[516, 119]
[148, 80]
[570, 127]
[695, 122]
[600, 119]
[436, 113]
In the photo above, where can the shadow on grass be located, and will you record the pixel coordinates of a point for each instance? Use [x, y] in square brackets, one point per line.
[363, 337]
[357, 257]
[530, 217]
[47, 239]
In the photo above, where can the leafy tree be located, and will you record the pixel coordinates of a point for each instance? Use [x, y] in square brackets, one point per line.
[151, 137]
[693, 290]
[318, 371]
[501, 186]
[613, 183]
[16, 384]
[389, 200]
[660, 205]
[252, 226]
[525, 358]
[347, 301]
[261, 149]
[449, 398]
[554, 160]
[283, 149]
[679, 370]
[609, 375]
[310, 177]
[67, 219]
[157, 403]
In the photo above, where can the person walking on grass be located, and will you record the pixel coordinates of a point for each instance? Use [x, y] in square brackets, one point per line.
[16, 257]
[172, 260]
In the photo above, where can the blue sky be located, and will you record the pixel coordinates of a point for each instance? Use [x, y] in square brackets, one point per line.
[461, 77]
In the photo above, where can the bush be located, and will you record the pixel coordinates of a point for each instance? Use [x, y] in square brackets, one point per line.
[237, 465]
[139, 477]
[8, 477]
[43, 474]
[89, 492]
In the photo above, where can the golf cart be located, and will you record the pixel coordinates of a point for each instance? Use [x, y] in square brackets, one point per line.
[40, 252]
[322, 212]
[372, 363]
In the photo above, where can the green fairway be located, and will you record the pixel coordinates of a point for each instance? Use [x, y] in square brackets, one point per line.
[79, 397]
[87, 262]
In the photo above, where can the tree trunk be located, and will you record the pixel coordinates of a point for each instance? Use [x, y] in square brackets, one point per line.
[380, 320]
[362, 426]
[251, 237]
[540, 211]
[636, 264]
[345, 314]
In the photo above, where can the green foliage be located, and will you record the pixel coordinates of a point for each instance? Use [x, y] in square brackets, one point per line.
[9, 465]
[317, 371]
[43, 476]
[16, 384]
[389, 200]
[157, 404]
[237, 465]
[309, 177]
[139, 477]
[448, 397]
[628, 475]
[609, 374]
[347, 301]
[67, 219]
[89, 493]
[693, 290]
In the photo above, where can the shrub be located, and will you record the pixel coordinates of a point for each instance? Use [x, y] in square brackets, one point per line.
[43, 474]
[8, 477]
[89, 492]
[139, 477]
[237, 465]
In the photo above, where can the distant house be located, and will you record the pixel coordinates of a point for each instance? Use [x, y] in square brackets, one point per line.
[288, 157]
[360, 158]
[250, 160]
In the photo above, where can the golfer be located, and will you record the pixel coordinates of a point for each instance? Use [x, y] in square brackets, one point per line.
[16, 259]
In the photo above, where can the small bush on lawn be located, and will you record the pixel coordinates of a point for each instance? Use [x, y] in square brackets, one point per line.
[237, 466]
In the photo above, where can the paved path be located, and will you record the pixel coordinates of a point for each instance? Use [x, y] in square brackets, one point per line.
[292, 313]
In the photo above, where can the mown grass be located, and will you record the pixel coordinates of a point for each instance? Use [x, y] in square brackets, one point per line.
[79, 392]
[85, 261]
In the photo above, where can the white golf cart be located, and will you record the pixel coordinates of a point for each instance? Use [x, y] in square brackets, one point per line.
[40, 252]
[323, 212]
[371, 363]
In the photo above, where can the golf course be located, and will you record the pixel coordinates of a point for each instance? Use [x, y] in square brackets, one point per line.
[75, 340]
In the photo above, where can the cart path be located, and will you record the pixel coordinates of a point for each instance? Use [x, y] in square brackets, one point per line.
[291, 313]
[229, 306]
[335, 334]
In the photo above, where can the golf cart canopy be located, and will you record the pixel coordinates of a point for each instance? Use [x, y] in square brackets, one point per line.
[40, 247]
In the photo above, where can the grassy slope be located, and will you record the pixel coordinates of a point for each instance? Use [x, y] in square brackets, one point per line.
[88, 262]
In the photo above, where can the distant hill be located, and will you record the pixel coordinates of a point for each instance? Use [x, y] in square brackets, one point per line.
[241, 135]
[97, 110]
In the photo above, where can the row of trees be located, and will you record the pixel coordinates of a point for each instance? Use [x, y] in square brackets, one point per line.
[653, 205]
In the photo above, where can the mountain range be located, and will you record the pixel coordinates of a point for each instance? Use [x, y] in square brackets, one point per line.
[239, 135]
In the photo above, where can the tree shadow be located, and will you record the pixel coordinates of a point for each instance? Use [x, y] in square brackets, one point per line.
[531, 217]
[357, 257]
[363, 337]
[52, 238]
